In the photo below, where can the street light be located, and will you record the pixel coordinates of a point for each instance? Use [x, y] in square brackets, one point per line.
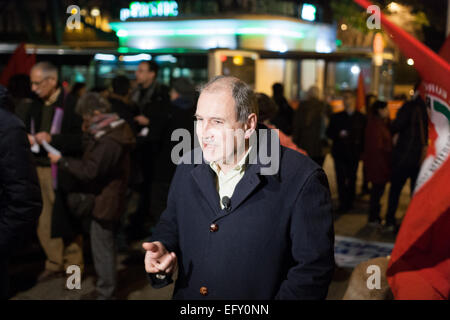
[95, 12]
[393, 7]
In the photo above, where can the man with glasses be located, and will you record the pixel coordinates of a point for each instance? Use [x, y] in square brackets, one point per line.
[56, 123]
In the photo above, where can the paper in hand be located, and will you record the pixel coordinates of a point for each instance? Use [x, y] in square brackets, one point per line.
[50, 149]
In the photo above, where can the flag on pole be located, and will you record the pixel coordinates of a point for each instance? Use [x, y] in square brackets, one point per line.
[419, 267]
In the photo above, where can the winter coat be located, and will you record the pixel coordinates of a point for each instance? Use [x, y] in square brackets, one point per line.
[20, 194]
[275, 241]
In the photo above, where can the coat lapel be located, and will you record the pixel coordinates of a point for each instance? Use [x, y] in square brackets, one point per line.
[204, 178]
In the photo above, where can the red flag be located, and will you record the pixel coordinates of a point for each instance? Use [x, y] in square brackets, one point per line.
[19, 63]
[419, 267]
[360, 94]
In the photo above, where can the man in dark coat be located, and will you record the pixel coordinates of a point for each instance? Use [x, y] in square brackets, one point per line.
[103, 174]
[56, 123]
[410, 132]
[309, 125]
[20, 195]
[152, 101]
[239, 226]
[346, 130]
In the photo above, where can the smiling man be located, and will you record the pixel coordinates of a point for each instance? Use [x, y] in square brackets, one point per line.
[232, 231]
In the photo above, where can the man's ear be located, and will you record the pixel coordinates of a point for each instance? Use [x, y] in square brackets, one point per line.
[250, 126]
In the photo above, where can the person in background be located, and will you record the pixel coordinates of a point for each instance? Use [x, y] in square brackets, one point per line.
[153, 107]
[120, 102]
[267, 110]
[103, 173]
[20, 194]
[283, 119]
[183, 98]
[410, 136]
[346, 130]
[377, 157]
[310, 122]
[57, 124]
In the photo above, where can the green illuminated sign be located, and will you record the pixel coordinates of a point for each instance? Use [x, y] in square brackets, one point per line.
[150, 9]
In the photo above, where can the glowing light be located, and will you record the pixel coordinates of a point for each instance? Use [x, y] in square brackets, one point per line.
[95, 12]
[277, 45]
[137, 57]
[238, 60]
[393, 7]
[104, 57]
[166, 58]
[74, 11]
[410, 62]
[344, 27]
[308, 12]
[355, 69]
[122, 33]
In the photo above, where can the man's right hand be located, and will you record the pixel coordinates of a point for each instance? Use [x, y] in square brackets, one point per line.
[158, 259]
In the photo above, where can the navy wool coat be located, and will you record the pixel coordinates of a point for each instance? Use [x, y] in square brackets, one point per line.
[275, 242]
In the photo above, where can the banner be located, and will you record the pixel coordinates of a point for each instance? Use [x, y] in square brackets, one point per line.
[419, 267]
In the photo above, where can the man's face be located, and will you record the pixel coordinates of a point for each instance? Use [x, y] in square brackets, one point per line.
[219, 133]
[41, 85]
[144, 75]
[349, 101]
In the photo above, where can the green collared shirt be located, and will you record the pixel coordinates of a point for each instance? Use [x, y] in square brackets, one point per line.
[226, 183]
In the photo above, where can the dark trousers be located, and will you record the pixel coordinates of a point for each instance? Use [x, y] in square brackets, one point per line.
[398, 180]
[346, 170]
[104, 257]
[4, 279]
[376, 192]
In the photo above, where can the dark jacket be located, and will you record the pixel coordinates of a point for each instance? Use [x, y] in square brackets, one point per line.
[20, 194]
[377, 150]
[104, 171]
[283, 119]
[153, 103]
[350, 146]
[181, 116]
[69, 140]
[275, 242]
[309, 126]
[411, 125]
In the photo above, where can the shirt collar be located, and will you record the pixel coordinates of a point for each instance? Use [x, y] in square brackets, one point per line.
[240, 166]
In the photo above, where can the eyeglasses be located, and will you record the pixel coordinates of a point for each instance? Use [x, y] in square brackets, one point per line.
[38, 83]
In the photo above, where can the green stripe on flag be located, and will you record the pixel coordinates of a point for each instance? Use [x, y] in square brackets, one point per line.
[442, 109]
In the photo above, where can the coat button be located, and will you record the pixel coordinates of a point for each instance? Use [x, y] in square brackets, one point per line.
[204, 291]
[213, 227]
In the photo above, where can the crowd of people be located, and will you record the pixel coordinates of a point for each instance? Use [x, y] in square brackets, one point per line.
[96, 151]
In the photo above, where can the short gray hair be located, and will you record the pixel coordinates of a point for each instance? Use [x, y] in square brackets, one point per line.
[90, 102]
[243, 95]
[48, 69]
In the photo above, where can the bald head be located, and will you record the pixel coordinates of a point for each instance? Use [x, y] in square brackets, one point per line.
[243, 95]
[44, 79]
